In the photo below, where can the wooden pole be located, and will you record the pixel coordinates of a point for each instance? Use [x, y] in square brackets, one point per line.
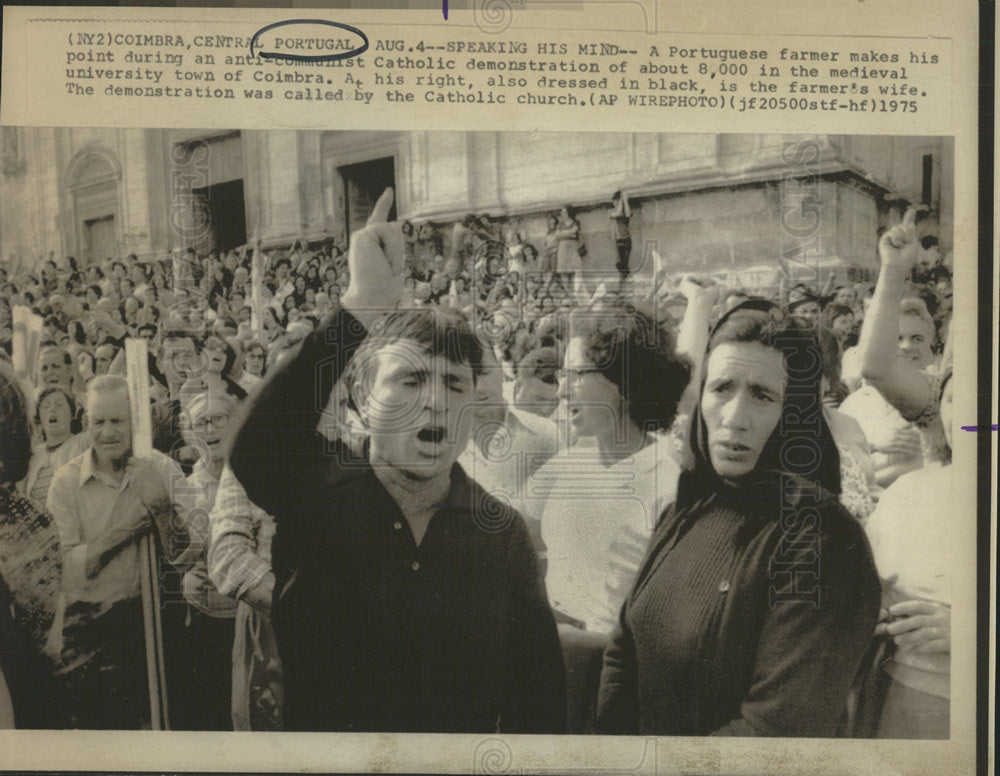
[256, 300]
[26, 337]
[137, 370]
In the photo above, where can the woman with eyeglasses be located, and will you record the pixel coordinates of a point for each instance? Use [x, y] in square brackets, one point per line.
[619, 387]
[755, 603]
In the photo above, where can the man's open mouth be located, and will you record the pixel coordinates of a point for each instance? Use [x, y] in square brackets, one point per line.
[433, 434]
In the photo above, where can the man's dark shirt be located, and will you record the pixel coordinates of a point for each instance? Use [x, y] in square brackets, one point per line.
[375, 632]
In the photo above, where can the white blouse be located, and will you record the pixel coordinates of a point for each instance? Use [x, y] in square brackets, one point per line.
[596, 523]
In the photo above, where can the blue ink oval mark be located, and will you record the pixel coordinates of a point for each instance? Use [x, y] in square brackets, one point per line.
[311, 57]
[976, 428]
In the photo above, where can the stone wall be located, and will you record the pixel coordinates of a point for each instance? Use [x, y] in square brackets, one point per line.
[709, 203]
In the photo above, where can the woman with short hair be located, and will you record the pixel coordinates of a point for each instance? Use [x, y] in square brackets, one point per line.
[619, 391]
[58, 422]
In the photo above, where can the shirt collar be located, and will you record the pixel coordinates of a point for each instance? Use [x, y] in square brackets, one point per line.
[88, 471]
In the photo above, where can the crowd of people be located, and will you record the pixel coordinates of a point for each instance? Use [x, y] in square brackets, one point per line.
[475, 485]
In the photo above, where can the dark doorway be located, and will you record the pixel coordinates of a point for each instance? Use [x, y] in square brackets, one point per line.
[100, 238]
[223, 205]
[363, 185]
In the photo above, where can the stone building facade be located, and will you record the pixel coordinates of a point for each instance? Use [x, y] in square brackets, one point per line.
[719, 204]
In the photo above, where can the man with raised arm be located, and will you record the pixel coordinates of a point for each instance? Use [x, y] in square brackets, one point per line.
[405, 597]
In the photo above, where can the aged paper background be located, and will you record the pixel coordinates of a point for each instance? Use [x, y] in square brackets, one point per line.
[34, 94]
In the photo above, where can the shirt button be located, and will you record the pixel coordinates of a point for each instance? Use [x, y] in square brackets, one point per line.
[397, 525]
[724, 586]
[415, 566]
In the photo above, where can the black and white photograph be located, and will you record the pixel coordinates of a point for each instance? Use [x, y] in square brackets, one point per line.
[639, 434]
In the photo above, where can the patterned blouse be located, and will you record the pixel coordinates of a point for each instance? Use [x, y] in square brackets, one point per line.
[31, 566]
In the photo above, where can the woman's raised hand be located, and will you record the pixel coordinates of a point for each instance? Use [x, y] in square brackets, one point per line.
[898, 247]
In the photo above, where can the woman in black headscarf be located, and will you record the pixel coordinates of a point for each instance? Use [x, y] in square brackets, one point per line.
[755, 604]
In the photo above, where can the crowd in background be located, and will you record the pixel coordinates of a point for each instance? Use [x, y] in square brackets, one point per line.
[562, 342]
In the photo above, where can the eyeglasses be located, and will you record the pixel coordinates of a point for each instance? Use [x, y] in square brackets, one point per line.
[219, 420]
[574, 375]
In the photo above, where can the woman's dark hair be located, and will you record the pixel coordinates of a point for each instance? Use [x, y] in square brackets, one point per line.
[199, 344]
[639, 356]
[231, 385]
[75, 424]
[801, 443]
[833, 311]
[570, 211]
[15, 433]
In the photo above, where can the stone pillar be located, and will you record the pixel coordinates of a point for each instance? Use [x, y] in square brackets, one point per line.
[282, 201]
[311, 196]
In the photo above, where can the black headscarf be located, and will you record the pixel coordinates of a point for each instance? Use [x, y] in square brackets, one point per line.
[800, 452]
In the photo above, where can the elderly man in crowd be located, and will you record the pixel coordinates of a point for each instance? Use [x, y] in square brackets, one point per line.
[104, 502]
[406, 598]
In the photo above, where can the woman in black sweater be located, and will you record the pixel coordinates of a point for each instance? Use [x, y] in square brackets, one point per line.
[758, 596]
